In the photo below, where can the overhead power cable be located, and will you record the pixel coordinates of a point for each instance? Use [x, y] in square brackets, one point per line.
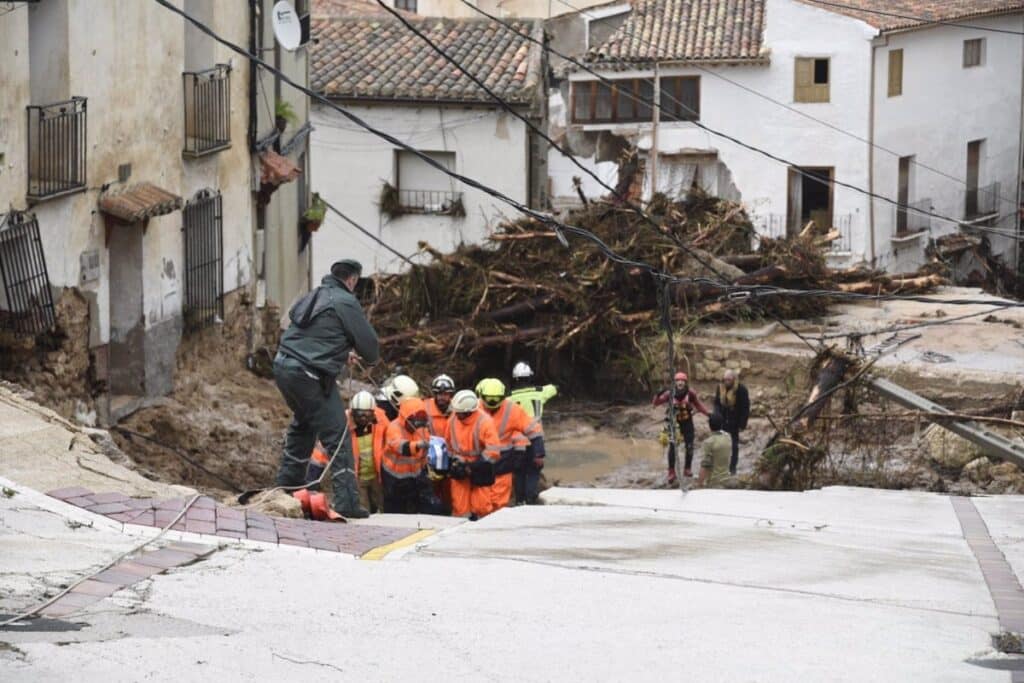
[738, 291]
[911, 17]
[713, 73]
[731, 138]
[913, 326]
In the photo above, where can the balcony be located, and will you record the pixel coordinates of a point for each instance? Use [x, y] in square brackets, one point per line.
[910, 220]
[56, 149]
[207, 111]
[981, 202]
[437, 202]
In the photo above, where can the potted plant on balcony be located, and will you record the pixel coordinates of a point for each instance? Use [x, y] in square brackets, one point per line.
[283, 115]
[314, 215]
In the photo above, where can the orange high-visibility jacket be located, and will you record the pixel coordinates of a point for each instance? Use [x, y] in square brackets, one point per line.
[438, 420]
[379, 431]
[474, 438]
[403, 458]
[515, 426]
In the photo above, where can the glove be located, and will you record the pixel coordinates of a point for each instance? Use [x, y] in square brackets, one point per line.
[458, 470]
[423, 445]
[538, 463]
[663, 438]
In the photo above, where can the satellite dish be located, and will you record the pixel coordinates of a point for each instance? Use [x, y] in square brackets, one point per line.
[287, 27]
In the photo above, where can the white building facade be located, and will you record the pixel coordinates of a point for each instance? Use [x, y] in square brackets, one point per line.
[391, 193]
[803, 83]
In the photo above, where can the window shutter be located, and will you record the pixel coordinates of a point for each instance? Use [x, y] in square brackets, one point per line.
[803, 74]
[895, 73]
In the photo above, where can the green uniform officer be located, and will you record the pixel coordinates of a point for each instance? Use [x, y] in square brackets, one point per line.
[714, 466]
[326, 326]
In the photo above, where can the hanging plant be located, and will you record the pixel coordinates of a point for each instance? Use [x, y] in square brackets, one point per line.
[283, 115]
[390, 204]
[313, 217]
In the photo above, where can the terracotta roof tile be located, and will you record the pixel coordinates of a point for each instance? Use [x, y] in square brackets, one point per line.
[139, 202]
[379, 58]
[929, 10]
[687, 30]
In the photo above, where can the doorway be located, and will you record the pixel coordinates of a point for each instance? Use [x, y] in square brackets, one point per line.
[127, 375]
[810, 198]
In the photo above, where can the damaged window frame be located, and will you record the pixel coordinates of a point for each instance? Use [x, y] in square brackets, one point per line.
[625, 101]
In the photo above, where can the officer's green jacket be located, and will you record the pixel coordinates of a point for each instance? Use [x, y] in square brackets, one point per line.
[326, 324]
[532, 399]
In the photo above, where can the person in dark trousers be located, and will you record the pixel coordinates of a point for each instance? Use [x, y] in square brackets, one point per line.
[732, 402]
[327, 326]
[684, 403]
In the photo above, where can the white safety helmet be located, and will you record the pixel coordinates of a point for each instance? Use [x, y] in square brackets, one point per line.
[465, 401]
[522, 370]
[400, 388]
[362, 401]
[442, 383]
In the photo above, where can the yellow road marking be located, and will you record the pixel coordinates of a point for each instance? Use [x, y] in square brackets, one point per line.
[380, 552]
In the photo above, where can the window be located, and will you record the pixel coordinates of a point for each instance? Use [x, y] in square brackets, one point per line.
[903, 195]
[422, 188]
[207, 110]
[407, 5]
[895, 73]
[811, 79]
[204, 260]
[810, 198]
[974, 52]
[26, 305]
[979, 200]
[680, 98]
[627, 100]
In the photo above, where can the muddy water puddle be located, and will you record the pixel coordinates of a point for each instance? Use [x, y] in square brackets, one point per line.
[584, 459]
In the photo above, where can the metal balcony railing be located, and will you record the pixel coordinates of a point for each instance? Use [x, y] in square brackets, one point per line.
[982, 201]
[770, 225]
[431, 201]
[910, 221]
[207, 110]
[844, 224]
[56, 148]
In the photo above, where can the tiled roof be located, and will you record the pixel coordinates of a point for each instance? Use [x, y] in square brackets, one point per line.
[139, 202]
[381, 59]
[916, 10]
[351, 8]
[687, 30]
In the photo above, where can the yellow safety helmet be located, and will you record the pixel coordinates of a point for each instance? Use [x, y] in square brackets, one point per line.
[492, 391]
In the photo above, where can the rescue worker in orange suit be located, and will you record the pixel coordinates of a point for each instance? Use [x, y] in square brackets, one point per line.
[404, 466]
[473, 442]
[522, 443]
[439, 410]
[367, 426]
[684, 403]
[438, 407]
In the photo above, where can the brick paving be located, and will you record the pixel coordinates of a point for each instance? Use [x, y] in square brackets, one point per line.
[207, 516]
[1002, 582]
[125, 573]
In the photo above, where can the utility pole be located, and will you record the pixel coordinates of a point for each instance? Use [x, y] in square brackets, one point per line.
[653, 155]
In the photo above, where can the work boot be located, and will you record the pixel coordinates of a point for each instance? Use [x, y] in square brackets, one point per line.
[358, 513]
[671, 475]
[344, 488]
[687, 472]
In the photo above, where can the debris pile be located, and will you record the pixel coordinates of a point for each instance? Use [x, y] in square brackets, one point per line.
[575, 308]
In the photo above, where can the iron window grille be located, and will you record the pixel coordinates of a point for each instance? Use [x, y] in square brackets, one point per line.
[56, 148]
[26, 303]
[202, 229]
[207, 110]
[430, 201]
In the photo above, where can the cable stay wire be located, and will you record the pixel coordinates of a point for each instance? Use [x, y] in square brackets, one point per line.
[910, 17]
[913, 326]
[752, 91]
[731, 138]
[735, 292]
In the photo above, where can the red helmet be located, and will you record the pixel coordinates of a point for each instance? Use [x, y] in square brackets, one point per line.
[681, 377]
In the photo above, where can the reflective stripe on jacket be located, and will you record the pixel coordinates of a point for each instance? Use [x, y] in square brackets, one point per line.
[403, 459]
[473, 439]
[515, 427]
[379, 431]
[532, 399]
[438, 420]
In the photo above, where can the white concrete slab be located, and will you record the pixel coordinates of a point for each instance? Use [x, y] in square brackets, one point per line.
[653, 587]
